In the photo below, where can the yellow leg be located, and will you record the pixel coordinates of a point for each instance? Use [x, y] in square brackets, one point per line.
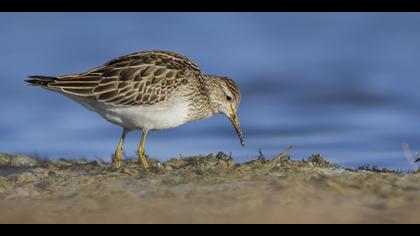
[140, 150]
[117, 158]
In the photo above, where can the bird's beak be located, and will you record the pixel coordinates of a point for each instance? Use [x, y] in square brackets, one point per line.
[235, 122]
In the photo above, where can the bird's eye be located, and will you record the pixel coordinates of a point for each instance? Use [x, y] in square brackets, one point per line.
[228, 98]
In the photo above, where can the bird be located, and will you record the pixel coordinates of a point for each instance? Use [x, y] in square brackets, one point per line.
[147, 91]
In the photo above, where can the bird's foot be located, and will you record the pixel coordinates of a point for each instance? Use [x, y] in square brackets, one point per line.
[143, 159]
[117, 158]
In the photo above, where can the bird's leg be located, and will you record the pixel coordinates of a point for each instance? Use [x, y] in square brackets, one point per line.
[117, 158]
[140, 150]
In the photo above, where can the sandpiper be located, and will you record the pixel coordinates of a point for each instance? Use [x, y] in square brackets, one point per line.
[150, 90]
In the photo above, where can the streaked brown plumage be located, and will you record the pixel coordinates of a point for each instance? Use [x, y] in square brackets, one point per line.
[151, 83]
[143, 78]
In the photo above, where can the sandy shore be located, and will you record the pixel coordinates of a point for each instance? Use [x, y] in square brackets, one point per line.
[203, 189]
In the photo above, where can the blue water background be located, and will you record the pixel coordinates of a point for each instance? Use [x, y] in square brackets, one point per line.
[346, 85]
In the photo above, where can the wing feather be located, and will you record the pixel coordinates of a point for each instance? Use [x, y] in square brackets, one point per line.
[143, 78]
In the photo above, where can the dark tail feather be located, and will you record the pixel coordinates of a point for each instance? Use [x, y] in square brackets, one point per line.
[40, 80]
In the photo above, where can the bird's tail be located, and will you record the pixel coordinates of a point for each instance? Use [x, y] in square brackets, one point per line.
[40, 80]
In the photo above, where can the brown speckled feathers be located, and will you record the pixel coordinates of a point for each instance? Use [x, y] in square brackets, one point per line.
[142, 78]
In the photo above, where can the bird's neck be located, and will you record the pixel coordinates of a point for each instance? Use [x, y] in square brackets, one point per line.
[213, 86]
[206, 107]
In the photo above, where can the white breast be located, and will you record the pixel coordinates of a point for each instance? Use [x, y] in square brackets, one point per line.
[168, 114]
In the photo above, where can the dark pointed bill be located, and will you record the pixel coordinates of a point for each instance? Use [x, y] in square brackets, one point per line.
[235, 122]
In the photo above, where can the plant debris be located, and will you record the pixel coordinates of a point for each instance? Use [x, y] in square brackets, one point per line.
[204, 189]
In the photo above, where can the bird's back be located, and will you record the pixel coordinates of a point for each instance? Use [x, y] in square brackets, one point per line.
[143, 78]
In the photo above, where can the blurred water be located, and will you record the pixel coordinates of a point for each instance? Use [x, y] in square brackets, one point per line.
[341, 84]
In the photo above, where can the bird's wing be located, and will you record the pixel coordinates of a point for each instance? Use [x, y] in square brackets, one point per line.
[143, 78]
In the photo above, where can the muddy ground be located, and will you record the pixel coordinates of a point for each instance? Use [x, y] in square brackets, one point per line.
[204, 189]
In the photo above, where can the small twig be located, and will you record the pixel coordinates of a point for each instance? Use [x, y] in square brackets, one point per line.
[261, 156]
[409, 156]
[284, 153]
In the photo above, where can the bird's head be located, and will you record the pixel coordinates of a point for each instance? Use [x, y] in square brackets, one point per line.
[225, 98]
